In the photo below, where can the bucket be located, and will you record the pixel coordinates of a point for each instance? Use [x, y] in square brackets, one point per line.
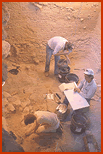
[70, 77]
[62, 111]
[62, 63]
[62, 72]
[79, 123]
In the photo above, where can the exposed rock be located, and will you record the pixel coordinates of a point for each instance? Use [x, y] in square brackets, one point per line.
[5, 110]
[17, 102]
[36, 61]
[10, 107]
[5, 102]
[36, 4]
[68, 18]
[81, 19]
[24, 104]
[32, 111]
[43, 3]
[5, 49]
[14, 100]
[4, 34]
[20, 109]
[11, 99]
[26, 110]
[5, 14]
[6, 94]
[71, 8]
[28, 101]
[4, 72]
[32, 96]
[14, 93]
[46, 20]
[30, 108]
[84, 27]
[4, 124]
[53, 104]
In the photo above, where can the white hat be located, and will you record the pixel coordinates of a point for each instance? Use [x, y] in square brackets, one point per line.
[89, 72]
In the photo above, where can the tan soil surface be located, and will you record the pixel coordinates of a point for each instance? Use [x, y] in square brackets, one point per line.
[28, 30]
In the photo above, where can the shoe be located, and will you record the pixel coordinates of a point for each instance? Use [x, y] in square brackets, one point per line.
[46, 74]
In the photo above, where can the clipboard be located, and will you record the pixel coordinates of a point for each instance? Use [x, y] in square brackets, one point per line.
[75, 99]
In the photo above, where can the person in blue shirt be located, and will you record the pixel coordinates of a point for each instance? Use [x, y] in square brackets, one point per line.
[87, 87]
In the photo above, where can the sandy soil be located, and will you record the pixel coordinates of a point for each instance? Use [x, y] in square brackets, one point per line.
[28, 30]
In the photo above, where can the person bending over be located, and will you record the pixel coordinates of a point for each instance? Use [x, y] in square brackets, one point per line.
[44, 121]
[57, 46]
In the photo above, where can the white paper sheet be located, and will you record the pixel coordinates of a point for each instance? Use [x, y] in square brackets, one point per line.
[65, 86]
[75, 99]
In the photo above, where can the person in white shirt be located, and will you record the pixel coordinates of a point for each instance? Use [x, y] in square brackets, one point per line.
[44, 121]
[57, 46]
[87, 86]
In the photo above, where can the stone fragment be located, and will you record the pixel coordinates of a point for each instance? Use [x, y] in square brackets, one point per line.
[5, 49]
[14, 100]
[36, 61]
[43, 3]
[37, 5]
[26, 110]
[81, 19]
[10, 107]
[4, 33]
[5, 102]
[4, 123]
[30, 108]
[6, 94]
[84, 27]
[5, 15]
[14, 93]
[71, 8]
[11, 99]
[28, 101]
[4, 72]
[32, 96]
[32, 111]
[68, 18]
[17, 102]
[24, 104]
[20, 109]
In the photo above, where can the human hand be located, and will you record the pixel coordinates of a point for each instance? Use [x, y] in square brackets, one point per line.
[66, 52]
[77, 90]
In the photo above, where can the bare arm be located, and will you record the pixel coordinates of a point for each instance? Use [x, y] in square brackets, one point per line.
[77, 90]
[62, 53]
[32, 129]
[68, 60]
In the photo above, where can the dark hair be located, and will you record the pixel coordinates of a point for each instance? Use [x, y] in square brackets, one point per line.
[29, 118]
[68, 45]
